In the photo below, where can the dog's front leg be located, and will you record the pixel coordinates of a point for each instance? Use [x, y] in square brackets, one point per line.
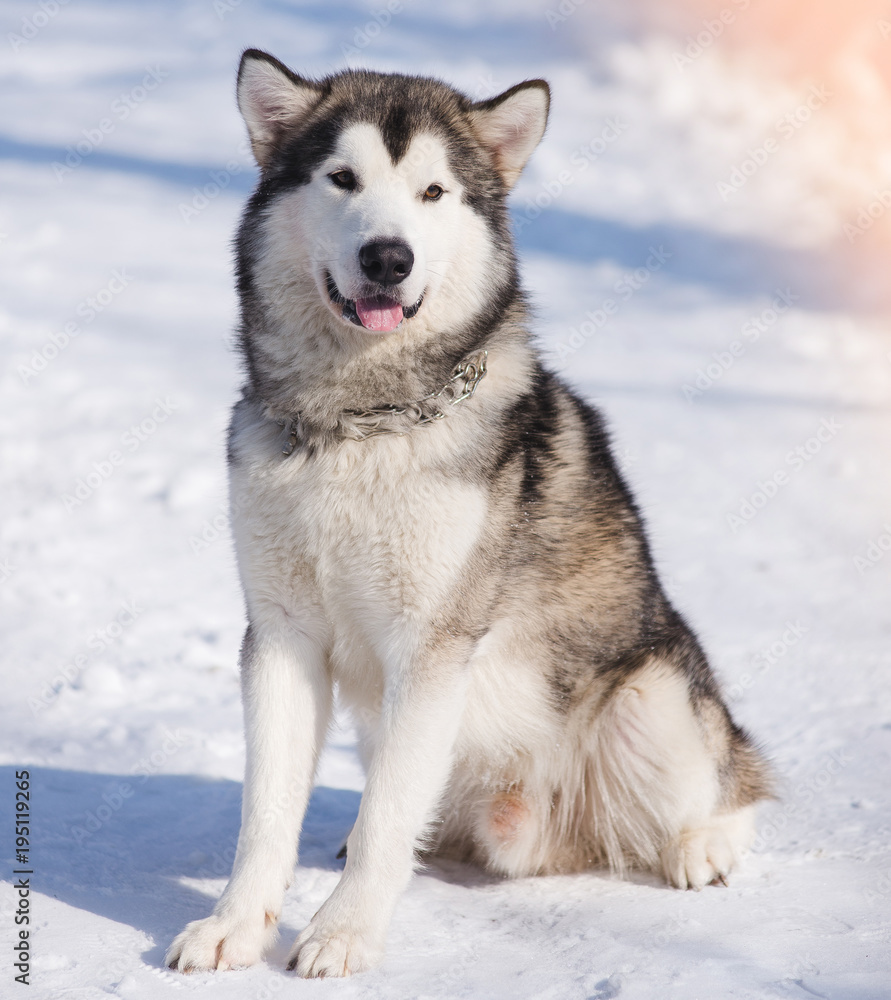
[287, 703]
[406, 777]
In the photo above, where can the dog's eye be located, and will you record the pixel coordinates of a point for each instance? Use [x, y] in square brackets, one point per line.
[345, 179]
[433, 193]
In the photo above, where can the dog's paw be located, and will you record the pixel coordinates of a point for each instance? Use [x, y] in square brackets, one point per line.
[708, 853]
[320, 952]
[698, 857]
[219, 942]
[687, 864]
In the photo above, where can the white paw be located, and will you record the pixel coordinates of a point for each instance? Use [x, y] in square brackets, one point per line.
[220, 942]
[696, 858]
[708, 853]
[320, 952]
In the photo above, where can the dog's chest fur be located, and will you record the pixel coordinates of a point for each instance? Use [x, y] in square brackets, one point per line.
[363, 539]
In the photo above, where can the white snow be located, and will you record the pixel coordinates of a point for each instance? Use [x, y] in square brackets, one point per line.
[121, 607]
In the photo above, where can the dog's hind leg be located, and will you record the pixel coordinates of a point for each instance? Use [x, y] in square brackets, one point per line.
[672, 782]
[287, 704]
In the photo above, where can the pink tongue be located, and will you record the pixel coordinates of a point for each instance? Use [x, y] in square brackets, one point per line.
[379, 314]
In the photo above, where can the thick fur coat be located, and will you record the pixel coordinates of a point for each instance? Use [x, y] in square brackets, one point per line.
[430, 523]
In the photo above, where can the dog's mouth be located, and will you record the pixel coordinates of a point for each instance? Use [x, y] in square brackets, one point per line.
[378, 313]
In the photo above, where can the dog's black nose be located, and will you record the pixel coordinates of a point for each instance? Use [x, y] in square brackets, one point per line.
[386, 261]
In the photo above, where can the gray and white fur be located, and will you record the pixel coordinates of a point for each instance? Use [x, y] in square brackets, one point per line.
[477, 586]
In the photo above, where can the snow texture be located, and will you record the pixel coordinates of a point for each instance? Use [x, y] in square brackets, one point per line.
[746, 326]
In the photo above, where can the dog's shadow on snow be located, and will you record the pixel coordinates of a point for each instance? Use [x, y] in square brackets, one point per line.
[153, 851]
[127, 847]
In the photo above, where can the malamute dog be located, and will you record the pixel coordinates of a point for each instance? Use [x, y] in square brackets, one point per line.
[431, 523]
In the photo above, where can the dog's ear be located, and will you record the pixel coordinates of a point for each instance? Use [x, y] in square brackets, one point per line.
[271, 99]
[511, 125]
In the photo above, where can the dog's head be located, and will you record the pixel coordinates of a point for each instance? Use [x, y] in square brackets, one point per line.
[382, 197]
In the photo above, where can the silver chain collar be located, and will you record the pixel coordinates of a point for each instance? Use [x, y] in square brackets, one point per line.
[357, 425]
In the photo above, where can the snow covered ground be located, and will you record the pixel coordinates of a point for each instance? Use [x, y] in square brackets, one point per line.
[746, 374]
